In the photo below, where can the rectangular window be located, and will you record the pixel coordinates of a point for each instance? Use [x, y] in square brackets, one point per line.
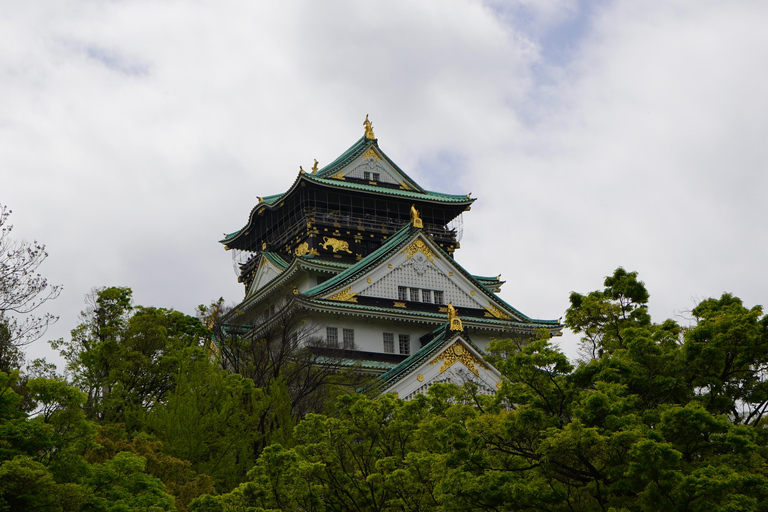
[405, 343]
[367, 175]
[375, 176]
[439, 297]
[415, 294]
[389, 343]
[402, 293]
[349, 339]
[332, 336]
[426, 295]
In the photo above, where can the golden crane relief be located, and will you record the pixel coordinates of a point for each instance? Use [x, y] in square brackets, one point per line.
[314, 167]
[453, 318]
[415, 217]
[336, 245]
[456, 353]
[368, 128]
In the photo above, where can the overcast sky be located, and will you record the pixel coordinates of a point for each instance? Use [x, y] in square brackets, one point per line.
[595, 134]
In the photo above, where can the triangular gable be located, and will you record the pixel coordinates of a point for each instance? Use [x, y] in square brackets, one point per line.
[450, 358]
[415, 262]
[266, 272]
[365, 161]
[375, 169]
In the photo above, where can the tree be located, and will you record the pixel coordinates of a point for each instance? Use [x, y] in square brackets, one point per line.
[601, 316]
[126, 358]
[22, 289]
[727, 351]
[285, 356]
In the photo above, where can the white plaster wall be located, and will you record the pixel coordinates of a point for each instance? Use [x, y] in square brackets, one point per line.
[369, 333]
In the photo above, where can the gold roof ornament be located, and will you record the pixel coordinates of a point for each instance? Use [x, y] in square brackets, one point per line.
[368, 128]
[261, 199]
[314, 167]
[453, 318]
[415, 217]
[301, 170]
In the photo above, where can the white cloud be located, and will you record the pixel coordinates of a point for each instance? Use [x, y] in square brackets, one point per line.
[135, 133]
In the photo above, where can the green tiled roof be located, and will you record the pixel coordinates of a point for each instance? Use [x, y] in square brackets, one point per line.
[412, 194]
[276, 259]
[394, 243]
[366, 364]
[323, 177]
[488, 321]
[363, 265]
[350, 154]
[442, 337]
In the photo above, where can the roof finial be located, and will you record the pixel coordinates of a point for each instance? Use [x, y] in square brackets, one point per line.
[453, 318]
[301, 170]
[415, 217]
[314, 167]
[368, 128]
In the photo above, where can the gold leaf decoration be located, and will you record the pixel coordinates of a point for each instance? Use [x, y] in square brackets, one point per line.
[370, 154]
[457, 353]
[344, 295]
[418, 245]
[496, 312]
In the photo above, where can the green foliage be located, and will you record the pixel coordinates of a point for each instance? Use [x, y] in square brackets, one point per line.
[658, 417]
[126, 358]
[210, 419]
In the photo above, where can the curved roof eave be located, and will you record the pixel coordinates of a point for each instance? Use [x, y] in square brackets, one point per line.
[274, 204]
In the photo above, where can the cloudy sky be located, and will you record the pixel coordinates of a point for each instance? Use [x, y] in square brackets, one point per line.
[595, 134]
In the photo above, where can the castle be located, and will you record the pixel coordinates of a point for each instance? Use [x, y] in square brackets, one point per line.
[363, 252]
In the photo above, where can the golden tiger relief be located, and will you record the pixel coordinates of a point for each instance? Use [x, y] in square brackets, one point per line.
[337, 245]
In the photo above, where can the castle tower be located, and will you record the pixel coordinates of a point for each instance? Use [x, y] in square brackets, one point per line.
[366, 254]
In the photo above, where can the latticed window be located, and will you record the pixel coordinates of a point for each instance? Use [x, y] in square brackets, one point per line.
[332, 336]
[349, 338]
[389, 343]
[405, 343]
[402, 293]
[439, 297]
[426, 295]
[415, 294]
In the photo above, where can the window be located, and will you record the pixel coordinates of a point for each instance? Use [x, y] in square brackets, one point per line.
[349, 339]
[375, 176]
[402, 293]
[426, 295]
[439, 299]
[367, 175]
[371, 176]
[405, 343]
[389, 343]
[332, 336]
[415, 294]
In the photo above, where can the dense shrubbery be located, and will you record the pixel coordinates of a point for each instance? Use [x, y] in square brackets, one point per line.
[656, 417]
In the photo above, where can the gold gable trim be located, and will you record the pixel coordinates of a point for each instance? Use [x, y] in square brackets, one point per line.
[371, 153]
[419, 246]
[457, 353]
[344, 295]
